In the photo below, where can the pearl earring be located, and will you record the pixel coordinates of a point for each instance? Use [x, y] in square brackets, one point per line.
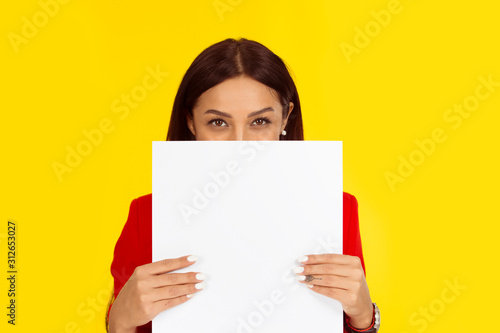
[283, 132]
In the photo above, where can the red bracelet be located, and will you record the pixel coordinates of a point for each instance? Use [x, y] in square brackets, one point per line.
[366, 330]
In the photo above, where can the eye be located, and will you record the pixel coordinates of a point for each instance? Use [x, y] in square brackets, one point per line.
[262, 121]
[217, 122]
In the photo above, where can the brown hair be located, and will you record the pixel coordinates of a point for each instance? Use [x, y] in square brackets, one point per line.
[227, 59]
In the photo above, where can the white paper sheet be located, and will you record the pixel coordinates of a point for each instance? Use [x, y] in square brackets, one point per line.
[248, 210]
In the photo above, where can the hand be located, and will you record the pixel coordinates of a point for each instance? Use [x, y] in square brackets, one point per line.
[149, 291]
[340, 277]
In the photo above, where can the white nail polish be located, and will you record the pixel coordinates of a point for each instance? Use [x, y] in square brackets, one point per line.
[301, 277]
[192, 258]
[310, 285]
[200, 276]
[190, 295]
[298, 269]
[199, 285]
[302, 259]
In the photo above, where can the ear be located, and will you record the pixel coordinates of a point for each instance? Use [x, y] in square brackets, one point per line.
[290, 108]
[190, 124]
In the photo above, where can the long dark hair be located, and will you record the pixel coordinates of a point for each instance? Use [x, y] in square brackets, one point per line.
[227, 59]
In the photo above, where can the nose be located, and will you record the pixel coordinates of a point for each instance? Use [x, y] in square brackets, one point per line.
[239, 134]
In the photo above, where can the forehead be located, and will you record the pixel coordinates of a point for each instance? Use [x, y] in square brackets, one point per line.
[238, 94]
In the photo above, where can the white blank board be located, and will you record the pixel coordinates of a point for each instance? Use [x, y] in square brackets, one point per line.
[248, 210]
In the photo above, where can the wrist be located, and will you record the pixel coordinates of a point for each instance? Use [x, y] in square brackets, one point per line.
[373, 328]
[362, 321]
[116, 329]
[116, 326]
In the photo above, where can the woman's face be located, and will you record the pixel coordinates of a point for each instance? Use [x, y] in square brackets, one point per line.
[239, 108]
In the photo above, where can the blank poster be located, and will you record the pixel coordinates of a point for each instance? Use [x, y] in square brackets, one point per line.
[248, 210]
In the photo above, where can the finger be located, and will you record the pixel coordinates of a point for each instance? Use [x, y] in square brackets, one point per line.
[168, 265]
[167, 279]
[326, 258]
[165, 304]
[177, 290]
[331, 281]
[339, 270]
[340, 295]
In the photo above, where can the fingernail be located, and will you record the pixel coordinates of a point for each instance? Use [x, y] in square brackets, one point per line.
[192, 258]
[199, 285]
[200, 276]
[302, 259]
[310, 285]
[190, 295]
[301, 277]
[298, 269]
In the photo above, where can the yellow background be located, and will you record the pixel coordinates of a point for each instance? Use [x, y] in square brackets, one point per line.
[440, 224]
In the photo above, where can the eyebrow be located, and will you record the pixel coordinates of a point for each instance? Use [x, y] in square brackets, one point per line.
[251, 114]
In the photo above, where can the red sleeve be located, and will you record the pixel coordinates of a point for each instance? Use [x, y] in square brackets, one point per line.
[351, 234]
[126, 254]
[133, 247]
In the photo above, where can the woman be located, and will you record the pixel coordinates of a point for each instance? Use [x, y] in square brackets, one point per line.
[234, 90]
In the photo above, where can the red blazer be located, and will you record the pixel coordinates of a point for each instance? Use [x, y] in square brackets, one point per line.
[134, 246]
